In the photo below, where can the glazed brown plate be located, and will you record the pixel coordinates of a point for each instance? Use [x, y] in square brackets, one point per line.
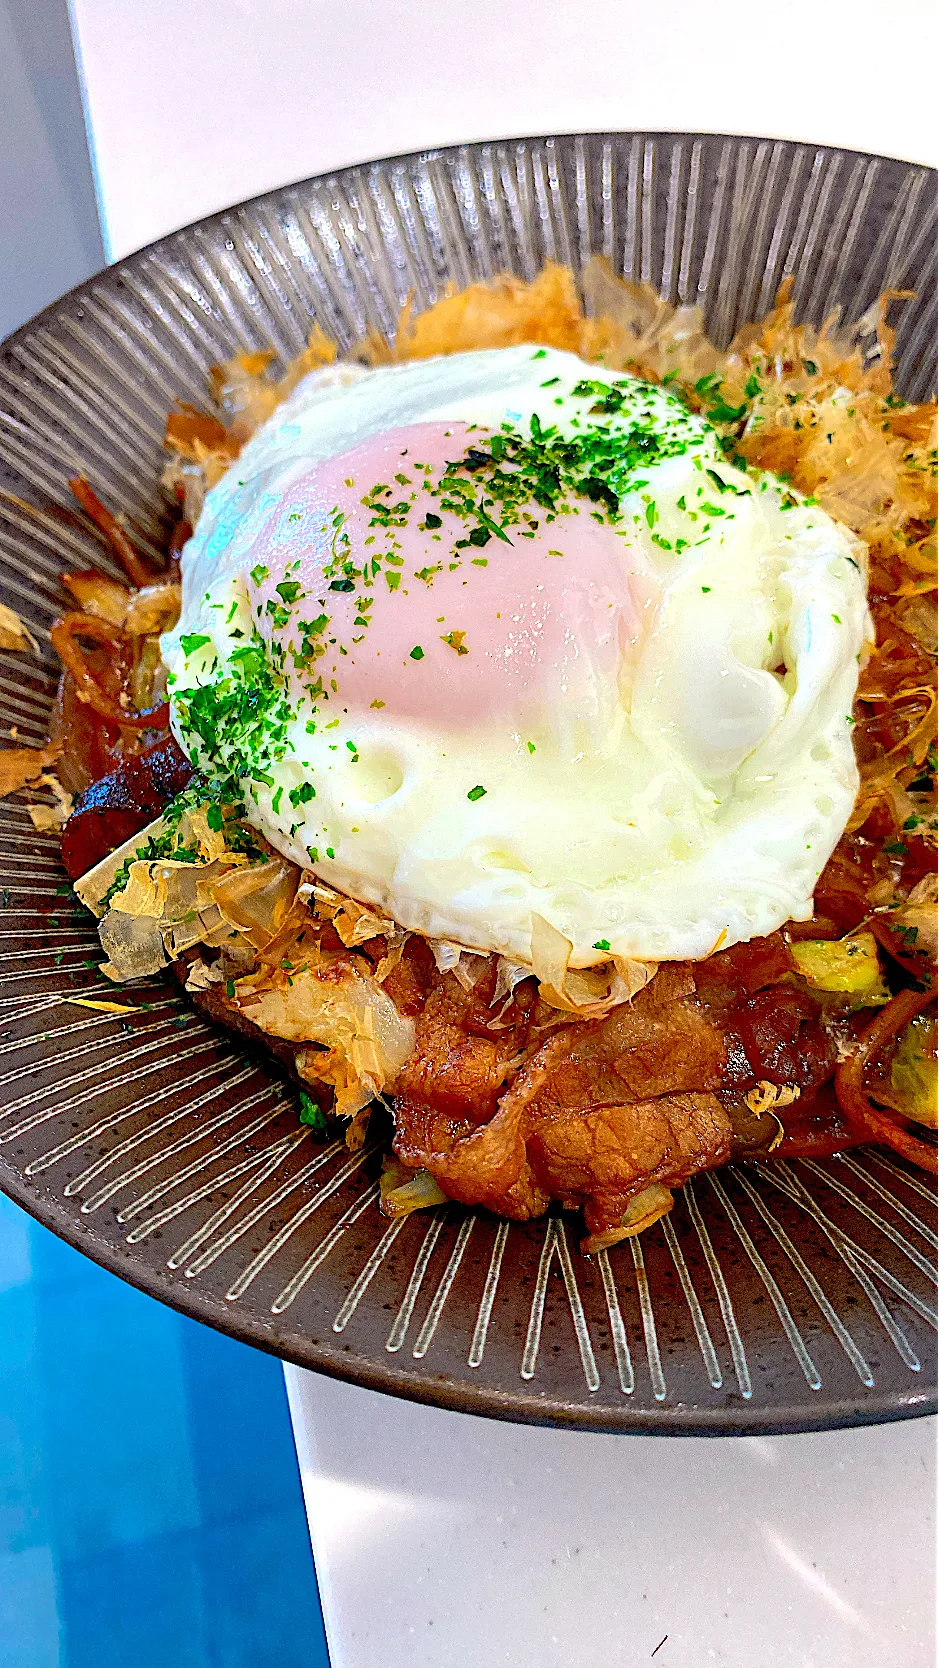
[775, 1297]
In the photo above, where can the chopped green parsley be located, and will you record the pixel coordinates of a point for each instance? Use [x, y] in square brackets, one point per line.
[312, 1114]
[192, 640]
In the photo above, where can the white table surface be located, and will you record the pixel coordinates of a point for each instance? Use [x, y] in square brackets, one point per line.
[441, 1539]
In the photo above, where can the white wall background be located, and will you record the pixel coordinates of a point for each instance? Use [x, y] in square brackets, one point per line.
[49, 233]
[196, 105]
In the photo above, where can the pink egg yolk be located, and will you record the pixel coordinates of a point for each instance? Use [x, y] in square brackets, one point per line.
[437, 629]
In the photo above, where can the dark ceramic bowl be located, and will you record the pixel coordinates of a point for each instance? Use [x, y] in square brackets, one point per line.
[774, 1298]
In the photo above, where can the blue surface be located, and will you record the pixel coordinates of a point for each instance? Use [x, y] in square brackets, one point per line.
[150, 1504]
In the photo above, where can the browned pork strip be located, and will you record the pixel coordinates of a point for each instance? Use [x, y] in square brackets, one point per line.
[510, 1104]
[595, 1113]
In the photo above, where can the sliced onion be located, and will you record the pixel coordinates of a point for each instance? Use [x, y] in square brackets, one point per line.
[404, 1190]
[647, 1207]
[95, 594]
[152, 610]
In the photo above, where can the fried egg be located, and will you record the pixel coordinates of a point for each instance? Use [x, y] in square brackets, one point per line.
[500, 636]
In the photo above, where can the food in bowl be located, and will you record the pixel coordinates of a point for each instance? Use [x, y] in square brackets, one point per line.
[549, 743]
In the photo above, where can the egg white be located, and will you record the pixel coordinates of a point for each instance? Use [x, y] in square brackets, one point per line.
[692, 806]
